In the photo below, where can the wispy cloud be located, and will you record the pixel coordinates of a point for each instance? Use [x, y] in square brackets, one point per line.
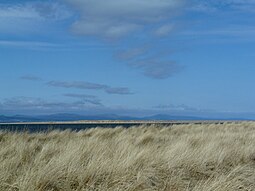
[39, 104]
[81, 85]
[31, 44]
[218, 21]
[164, 30]
[31, 78]
[30, 17]
[85, 98]
[153, 64]
[118, 90]
[229, 31]
[77, 84]
[91, 86]
[80, 96]
[117, 18]
[51, 46]
[133, 53]
[157, 69]
[34, 10]
[226, 5]
[172, 107]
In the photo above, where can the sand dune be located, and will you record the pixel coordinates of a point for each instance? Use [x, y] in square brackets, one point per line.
[208, 157]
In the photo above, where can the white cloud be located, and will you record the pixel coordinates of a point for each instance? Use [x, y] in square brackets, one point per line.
[30, 77]
[116, 18]
[157, 69]
[16, 18]
[172, 107]
[232, 33]
[102, 28]
[31, 103]
[132, 53]
[21, 12]
[34, 11]
[113, 19]
[27, 43]
[151, 62]
[91, 86]
[164, 30]
[215, 5]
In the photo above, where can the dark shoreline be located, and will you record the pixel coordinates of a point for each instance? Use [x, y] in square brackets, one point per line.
[80, 125]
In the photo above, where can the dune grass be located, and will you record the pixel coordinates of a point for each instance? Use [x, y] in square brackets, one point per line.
[177, 158]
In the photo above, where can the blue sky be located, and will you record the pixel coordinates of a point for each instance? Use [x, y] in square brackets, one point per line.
[128, 57]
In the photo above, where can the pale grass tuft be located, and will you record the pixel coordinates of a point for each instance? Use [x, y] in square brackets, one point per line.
[207, 157]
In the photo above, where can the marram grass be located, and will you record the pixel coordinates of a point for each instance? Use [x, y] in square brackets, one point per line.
[177, 158]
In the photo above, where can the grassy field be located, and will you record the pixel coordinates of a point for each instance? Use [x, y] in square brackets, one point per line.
[178, 158]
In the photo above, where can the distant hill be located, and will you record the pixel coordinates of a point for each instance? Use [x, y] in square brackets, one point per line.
[76, 117]
[63, 117]
[17, 118]
[169, 117]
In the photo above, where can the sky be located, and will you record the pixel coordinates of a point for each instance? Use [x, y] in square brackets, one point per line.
[127, 57]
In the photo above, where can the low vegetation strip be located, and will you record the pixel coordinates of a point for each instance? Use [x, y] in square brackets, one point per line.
[208, 157]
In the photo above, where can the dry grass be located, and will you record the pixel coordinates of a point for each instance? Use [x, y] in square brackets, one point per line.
[184, 157]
